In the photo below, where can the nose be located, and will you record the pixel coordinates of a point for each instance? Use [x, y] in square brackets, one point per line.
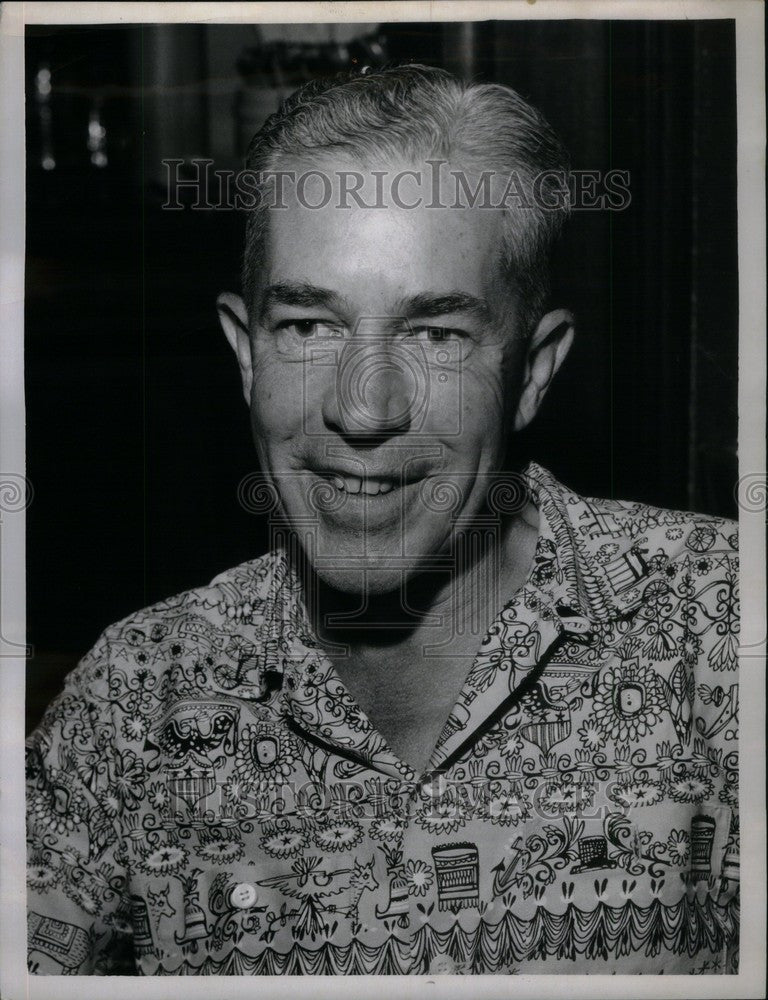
[377, 390]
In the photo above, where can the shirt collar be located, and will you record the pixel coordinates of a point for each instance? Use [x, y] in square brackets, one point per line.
[584, 575]
[596, 548]
[590, 545]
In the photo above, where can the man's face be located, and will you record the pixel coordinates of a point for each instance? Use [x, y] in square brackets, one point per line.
[384, 372]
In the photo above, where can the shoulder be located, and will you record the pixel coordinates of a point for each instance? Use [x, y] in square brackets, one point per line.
[679, 572]
[620, 556]
[599, 526]
[197, 615]
[680, 534]
[672, 551]
[181, 642]
[236, 594]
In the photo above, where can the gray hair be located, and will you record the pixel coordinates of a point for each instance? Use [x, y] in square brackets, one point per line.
[421, 112]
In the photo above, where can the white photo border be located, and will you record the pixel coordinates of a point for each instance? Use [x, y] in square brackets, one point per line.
[15, 983]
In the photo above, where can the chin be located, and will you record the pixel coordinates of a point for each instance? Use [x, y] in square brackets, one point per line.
[350, 555]
[372, 574]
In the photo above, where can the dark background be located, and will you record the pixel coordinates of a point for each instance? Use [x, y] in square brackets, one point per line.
[137, 434]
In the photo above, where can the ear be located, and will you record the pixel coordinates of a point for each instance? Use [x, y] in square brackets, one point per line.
[548, 347]
[233, 317]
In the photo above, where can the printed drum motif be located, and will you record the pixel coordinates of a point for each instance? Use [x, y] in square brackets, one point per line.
[457, 868]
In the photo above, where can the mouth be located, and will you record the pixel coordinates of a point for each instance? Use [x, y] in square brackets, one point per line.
[369, 485]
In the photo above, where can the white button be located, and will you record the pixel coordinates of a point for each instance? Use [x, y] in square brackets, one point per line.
[442, 965]
[243, 895]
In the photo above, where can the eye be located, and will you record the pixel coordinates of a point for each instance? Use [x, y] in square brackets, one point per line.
[293, 335]
[303, 329]
[438, 334]
[443, 345]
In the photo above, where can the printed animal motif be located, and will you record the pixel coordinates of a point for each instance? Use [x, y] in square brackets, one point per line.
[67, 944]
[159, 904]
[312, 883]
[362, 880]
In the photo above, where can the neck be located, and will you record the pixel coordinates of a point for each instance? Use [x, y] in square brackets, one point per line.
[462, 600]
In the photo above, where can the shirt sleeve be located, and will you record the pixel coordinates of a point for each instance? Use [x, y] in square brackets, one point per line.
[78, 911]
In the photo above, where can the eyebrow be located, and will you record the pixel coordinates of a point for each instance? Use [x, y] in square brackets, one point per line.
[425, 305]
[300, 294]
[430, 305]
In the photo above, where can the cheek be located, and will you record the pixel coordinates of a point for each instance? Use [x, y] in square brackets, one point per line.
[483, 407]
[276, 399]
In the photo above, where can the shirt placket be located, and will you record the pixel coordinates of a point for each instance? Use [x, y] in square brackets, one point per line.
[454, 857]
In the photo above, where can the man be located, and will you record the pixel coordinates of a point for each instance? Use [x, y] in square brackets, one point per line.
[459, 719]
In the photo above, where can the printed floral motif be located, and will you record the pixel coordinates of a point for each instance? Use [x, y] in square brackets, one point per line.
[338, 836]
[678, 845]
[637, 793]
[511, 745]
[42, 877]
[220, 848]
[235, 789]
[565, 797]
[206, 797]
[724, 654]
[134, 727]
[441, 817]
[729, 794]
[159, 795]
[83, 897]
[265, 755]
[164, 860]
[508, 808]
[387, 827]
[689, 647]
[286, 844]
[592, 735]
[58, 820]
[606, 552]
[690, 787]
[129, 783]
[617, 723]
[418, 876]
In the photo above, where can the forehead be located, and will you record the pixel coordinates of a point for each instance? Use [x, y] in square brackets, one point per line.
[376, 252]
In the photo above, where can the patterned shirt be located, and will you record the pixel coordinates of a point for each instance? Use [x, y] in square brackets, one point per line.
[206, 797]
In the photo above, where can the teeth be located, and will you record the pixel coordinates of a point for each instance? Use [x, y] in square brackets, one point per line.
[353, 484]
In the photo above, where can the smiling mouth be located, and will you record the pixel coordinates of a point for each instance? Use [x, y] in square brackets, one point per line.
[367, 486]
